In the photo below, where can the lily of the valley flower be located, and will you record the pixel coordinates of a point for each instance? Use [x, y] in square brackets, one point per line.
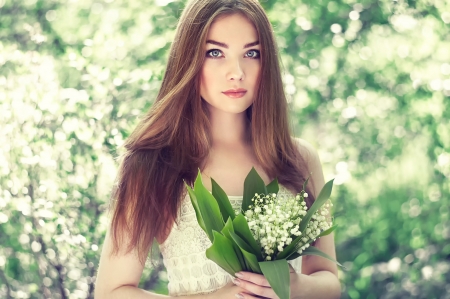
[275, 220]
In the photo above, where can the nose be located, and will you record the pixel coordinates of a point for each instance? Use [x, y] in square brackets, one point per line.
[235, 72]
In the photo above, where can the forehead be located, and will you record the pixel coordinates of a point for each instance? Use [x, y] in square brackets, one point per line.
[235, 27]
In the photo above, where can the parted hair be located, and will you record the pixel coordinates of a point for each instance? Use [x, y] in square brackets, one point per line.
[172, 140]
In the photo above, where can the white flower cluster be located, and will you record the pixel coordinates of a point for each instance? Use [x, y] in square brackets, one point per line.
[274, 222]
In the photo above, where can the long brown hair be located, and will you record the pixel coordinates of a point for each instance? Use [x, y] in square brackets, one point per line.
[171, 142]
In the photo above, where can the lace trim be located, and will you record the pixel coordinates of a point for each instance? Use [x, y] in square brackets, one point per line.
[189, 270]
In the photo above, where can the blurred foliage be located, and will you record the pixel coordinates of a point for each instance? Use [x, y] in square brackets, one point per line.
[368, 84]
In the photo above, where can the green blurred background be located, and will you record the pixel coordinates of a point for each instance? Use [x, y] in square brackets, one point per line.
[368, 84]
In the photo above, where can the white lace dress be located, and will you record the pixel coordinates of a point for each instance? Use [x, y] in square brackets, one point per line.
[189, 271]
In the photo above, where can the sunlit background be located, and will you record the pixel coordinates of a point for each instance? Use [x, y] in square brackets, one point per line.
[368, 84]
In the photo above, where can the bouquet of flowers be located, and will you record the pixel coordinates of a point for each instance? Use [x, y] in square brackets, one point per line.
[268, 231]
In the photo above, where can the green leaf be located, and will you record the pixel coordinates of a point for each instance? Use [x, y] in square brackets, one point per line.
[293, 256]
[253, 184]
[320, 200]
[228, 227]
[246, 250]
[222, 199]
[328, 231]
[242, 230]
[273, 186]
[222, 253]
[196, 208]
[289, 250]
[324, 195]
[208, 207]
[277, 274]
[226, 232]
[306, 182]
[311, 250]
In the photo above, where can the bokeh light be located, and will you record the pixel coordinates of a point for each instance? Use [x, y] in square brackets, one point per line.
[368, 84]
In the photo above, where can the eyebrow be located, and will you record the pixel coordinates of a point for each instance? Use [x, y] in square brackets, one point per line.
[224, 45]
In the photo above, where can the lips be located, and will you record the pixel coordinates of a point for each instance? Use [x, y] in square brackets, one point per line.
[235, 93]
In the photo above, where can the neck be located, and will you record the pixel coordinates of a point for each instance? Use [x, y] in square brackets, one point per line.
[229, 128]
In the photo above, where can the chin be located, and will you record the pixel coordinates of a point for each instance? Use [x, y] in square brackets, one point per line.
[221, 107]
[233, 110]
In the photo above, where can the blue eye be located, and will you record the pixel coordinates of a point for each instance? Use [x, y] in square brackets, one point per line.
[214, 53]
[253, 54]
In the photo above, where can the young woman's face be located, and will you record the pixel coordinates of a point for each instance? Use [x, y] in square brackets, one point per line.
[231, 69]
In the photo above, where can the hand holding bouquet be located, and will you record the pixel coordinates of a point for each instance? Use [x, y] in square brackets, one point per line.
[267, 232]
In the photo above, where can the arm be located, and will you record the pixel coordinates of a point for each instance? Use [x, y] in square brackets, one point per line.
[118, 278]
[319, 276]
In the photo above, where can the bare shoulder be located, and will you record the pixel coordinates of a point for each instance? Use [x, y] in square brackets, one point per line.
[311, 157]
[307, 151]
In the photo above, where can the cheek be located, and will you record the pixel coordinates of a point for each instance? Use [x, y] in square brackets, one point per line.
[203, 81]
[256, 73]
[206, 77]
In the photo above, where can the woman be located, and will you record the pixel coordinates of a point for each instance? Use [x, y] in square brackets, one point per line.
[221, 109]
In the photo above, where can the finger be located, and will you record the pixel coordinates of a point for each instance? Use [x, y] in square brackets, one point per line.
[252, 289]
[254, 278]
[247, 294]
[250, 296]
